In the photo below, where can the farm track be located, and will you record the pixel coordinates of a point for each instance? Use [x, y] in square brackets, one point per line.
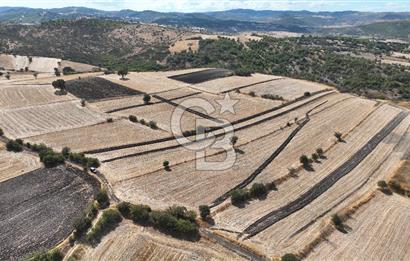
[126, 146]
[231, 246]
[141, 105]
[322, 186]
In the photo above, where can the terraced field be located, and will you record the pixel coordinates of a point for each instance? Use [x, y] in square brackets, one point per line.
[15, 164]
[288, 89]
[131, 242]
[98, 136]
[377, 231]
[29, 121]
[13, 96]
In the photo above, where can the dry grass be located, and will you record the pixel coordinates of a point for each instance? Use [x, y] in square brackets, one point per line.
[378, 231]
[15, 164]
[98, 136]
[30, 121]
[132, 242]
[287, 88]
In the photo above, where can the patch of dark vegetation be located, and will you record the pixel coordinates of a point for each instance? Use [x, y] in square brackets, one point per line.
[38, 209]
[202, 76]
[52, 255]
[96, 88]
[176, 221]
[108, 221]
[318, 59]
[239, 197]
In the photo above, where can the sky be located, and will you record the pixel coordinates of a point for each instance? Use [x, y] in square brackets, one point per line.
[218, 5]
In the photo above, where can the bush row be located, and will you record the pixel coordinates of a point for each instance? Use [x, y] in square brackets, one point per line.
[108, 221]
[152, 124]
[258, 190]
[176, 220]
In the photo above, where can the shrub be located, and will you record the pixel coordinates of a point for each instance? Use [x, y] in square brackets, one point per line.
[337, 221]
[110, 120]
[258, 190]
[132, 118]
[382, 184]
[304, 160]
[146, 98]
[315, 156]
[83, 103]
[66, 152]
[140, 213]
[234, 140]
[252, 93]
[81, 225]
[59, 84]
[307, 94]
[1, 132]
[52, 159]
[239, 196]
[108, 221]
[338, 136]
[20, 141]
[165, 164]
[93, 162]
[319, 151]
[14, 146]
[142, 121]
[102, 198]
[153, 125]
[124, 209]
[52, 255]
[204, 211]
[289, 257]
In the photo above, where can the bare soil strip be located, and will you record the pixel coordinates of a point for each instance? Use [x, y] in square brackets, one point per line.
[318, 189]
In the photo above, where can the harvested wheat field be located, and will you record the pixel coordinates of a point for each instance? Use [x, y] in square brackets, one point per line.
[12, 96]
[377, 231]
[37, 201]
[305, 179]
[298, 230]
[288, 89]
[15, 164]
[94, 137]
[231, 83]
[150, 82]
[36, 120]
[132, 242]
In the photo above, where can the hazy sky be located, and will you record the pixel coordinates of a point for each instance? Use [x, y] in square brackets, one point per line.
[213, 5]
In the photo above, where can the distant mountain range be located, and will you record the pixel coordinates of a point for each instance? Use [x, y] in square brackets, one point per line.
[236, 20]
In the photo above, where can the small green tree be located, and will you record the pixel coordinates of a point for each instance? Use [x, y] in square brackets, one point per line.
[204, 211]
[59, 84]
[337, 221]
[289, 257]
[304, 160]
[382, 184]
[140, 213]
[319, 152]
[123, 72]
[146, 98]
[132, 118]
[258, 190]
[166, 164]
[315, 156]
[239, 196]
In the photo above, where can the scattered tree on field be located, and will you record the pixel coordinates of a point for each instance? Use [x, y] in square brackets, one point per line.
[338, 136]
[146, 98]
[123, 72]
[153, 125]
[304, 160]
[60, 85]
[204, 211]
[319, 152]
[289, 257]
[166, 165]
[337, 221]
[109, 120]
[382, 184]
[239, 196]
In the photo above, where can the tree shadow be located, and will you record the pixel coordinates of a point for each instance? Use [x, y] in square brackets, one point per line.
[210, 221]
[309, 168]
[239, 151]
